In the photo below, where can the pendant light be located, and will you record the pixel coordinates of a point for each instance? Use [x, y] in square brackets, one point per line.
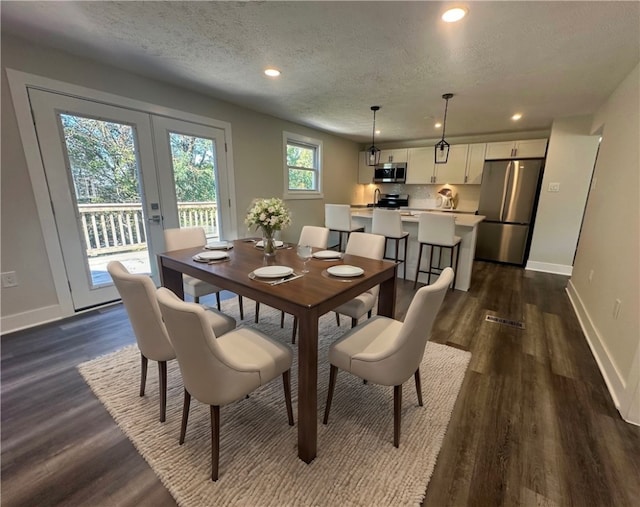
[441, 152]
[373, 153]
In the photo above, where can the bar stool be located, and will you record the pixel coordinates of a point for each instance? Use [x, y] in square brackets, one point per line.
[437, 230]
[337, 217]
[388, 223]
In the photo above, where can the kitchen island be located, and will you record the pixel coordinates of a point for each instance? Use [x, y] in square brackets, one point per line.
[466, 228]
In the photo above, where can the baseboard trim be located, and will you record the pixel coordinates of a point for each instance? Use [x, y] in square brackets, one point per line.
[614, 381]
[24, 320]
[547, 267]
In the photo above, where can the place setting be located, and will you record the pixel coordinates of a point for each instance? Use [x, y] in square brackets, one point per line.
[212, 256]
[219, 245]
[343, 272]
[274, 275]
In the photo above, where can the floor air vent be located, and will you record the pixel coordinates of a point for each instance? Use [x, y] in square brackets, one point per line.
[506, 322]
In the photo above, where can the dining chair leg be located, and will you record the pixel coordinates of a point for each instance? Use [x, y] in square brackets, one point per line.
[455, 273]
[218, 300]
[162, 375]
[415, 281]
[143, 373]
[404, 258]
[294, 332]
[257, 312]
[416, 375]
[337, 319]
[369, 313]
[333, 373]
[185, 416]
[286, 382]
[354, 322]
[215, 441]
[241, 306]
[281, 319]
[430, 264]
[397, 410]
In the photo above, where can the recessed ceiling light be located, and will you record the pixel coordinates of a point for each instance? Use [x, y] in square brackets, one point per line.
[438, 125]
[377, 131]
[516, 117]
[272, 72]
[455, 14]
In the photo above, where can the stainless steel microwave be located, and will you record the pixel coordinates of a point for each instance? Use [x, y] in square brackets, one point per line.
[391, 172]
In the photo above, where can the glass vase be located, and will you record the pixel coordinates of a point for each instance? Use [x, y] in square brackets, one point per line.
[268, 243]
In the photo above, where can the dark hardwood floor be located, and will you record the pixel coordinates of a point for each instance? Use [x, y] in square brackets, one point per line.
[533, 424]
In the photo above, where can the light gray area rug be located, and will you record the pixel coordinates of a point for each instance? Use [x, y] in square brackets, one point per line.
[356, 462]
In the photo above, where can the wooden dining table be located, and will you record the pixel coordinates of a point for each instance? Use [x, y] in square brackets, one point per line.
[307, 298]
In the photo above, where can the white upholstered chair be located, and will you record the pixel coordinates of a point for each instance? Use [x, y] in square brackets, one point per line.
[316, 237]
[437, 230]
[337, 217]
[364, 245]
[138, 293]
[220, 370]
[388, 352]
[190, 237]
[388, 223]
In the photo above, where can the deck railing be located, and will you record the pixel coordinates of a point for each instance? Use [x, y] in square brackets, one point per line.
[109, 228]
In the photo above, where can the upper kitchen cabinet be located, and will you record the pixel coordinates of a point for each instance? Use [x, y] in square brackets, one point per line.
[365, 171]
[398, 155]
[530, 148]
[454, 171]
[420, 166]
[475, 163]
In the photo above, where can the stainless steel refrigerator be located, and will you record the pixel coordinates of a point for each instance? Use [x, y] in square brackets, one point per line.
[507, 198]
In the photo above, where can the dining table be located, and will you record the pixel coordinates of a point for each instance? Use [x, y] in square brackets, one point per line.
[306, 297]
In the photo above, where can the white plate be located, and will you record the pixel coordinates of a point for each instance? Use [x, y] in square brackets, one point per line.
[210, 256]
[278, 243]
[345, 270]
[327, 254]
[218, 245]
[273, 271]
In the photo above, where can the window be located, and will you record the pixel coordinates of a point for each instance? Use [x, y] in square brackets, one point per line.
[303, 167]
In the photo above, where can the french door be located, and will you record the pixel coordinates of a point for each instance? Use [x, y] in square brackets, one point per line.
[116, 178]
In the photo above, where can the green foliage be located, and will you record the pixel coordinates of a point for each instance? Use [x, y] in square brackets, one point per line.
[104, 165]
[301, 162]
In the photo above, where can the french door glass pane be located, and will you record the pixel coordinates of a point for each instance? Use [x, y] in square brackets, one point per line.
[193, 160]
[104, 168]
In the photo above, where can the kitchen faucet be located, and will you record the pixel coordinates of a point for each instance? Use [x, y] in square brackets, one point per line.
[376, 195]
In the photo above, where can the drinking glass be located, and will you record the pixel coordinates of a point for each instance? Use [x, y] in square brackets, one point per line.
[304, 252]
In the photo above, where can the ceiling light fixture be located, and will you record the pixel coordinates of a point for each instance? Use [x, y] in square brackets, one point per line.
[441, 152]
[438, 125]
[516, 117]
[453, 15]
[272, 72]
[374, 153]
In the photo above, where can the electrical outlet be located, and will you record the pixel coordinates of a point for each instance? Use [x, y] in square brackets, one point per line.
[9, 279]
[590, 275]
[554, 187]
[616, 308]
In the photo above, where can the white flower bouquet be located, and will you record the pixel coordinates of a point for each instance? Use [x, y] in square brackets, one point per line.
[269, 215]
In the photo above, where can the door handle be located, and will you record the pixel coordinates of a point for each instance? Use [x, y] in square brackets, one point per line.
[154, 219]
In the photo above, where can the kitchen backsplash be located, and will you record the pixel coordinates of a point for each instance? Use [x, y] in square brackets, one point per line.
[424, 196]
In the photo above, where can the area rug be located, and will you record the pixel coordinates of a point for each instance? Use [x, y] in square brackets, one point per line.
[356, 462]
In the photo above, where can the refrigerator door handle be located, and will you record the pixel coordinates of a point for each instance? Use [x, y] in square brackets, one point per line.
[505, 190]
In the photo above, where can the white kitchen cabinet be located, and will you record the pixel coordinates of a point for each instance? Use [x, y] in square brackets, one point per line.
[397, 155]
[454, 171]
[365, 171]
[530, 148]
[420, 166]
[475, 163]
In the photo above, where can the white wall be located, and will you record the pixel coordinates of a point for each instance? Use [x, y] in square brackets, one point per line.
[607, 264]
[257, 155]
[571, 154]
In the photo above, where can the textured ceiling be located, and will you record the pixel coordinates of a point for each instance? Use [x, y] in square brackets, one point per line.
[542, 59]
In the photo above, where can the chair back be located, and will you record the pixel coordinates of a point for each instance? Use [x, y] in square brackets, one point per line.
[416, 329]
[437, 229]
[138, 293]
[365, 244]
[337, 217]
[208, 373]
[387, 222]
[316, 237]
[185, 237]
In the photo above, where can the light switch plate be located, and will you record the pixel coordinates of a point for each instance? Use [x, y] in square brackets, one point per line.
[554, 187]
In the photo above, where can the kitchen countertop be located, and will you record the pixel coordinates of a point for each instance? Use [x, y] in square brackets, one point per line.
[462, 219]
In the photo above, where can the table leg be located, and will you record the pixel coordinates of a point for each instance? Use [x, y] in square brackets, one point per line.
[171, 279]
[387, 296]
[308, 386]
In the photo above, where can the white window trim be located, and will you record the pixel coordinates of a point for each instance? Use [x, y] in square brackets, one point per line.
[301, 194]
